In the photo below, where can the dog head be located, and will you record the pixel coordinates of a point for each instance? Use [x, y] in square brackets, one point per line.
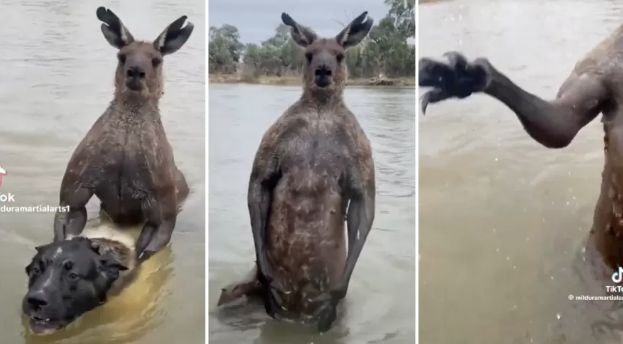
[65, 280]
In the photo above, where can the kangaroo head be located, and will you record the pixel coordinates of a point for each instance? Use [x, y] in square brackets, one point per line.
[325, 68]
[139, 71]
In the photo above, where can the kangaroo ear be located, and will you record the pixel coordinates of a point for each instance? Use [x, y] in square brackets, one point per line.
[302, 35]
[174, 36]
[113, 29]
[355, 32]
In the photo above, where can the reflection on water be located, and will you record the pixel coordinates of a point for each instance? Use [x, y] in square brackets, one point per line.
[503, 219]
[57, 78]
[381, 298]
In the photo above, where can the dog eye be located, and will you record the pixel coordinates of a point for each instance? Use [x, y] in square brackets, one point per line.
[69, 265]
[33, 269]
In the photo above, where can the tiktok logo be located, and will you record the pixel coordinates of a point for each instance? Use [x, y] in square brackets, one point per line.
[2, 173]
[617, 276]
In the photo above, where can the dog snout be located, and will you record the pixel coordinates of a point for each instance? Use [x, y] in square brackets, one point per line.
[37, 300]
[135, 72]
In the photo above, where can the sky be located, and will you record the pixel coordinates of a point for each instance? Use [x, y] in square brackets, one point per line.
[257, 19]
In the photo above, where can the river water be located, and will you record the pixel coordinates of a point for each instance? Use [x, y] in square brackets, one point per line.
[57, 78]
[503, 219]
[381, 299]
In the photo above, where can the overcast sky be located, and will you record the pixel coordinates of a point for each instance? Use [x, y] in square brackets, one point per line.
[257, 19]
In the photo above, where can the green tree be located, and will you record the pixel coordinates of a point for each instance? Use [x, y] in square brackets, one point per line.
[403, 14]
[281, 37]
[389, 49]
[384, 52]
[225, 48]
[252, 55]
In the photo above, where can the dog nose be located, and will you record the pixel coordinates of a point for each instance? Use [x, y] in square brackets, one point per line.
[323, 71]
[135, 72]
[36, 300]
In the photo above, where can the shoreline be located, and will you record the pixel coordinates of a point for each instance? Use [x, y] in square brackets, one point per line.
[406, 82]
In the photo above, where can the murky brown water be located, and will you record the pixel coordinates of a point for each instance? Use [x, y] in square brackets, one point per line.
[57, 78]
[381, 298]
[503, 219]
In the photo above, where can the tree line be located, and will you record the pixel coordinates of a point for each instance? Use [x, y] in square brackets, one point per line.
[385, 52]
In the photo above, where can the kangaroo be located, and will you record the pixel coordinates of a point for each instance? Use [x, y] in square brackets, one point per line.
[593, 87]
[125, 159]
[313, 164]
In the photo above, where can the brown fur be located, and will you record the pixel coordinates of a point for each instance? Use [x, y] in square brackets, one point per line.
[595, 86]
[311, 162]
[120, 253]
[125, 159]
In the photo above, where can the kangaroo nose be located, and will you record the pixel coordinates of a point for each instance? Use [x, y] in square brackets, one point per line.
[322, 76]
[37, 300]
[135, 72]
[322, 71]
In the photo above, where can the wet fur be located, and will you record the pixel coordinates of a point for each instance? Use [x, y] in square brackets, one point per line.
[115, 248]
[305, 239]
[120, 245]
[595, 86]
[125, 159]
[310, 164]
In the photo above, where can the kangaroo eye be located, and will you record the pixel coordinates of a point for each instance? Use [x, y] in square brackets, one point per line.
[121, 58]
[156, 61]
[340, 57]
[309, 57]
[73, 276]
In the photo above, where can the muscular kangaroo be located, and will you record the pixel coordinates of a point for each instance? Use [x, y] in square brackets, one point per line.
[313, 164]
[125, 159]
[595, 86]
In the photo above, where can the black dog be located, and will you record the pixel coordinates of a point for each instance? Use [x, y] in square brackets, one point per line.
[70, 277]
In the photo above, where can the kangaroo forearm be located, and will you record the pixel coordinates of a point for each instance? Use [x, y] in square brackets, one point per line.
[550, 123]
[69, 223]
[360, 219]
[155, 235]
[259, 204]
[148, 232]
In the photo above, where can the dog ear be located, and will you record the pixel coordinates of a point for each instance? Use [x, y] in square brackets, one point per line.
[95, 246]
[110, 263]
